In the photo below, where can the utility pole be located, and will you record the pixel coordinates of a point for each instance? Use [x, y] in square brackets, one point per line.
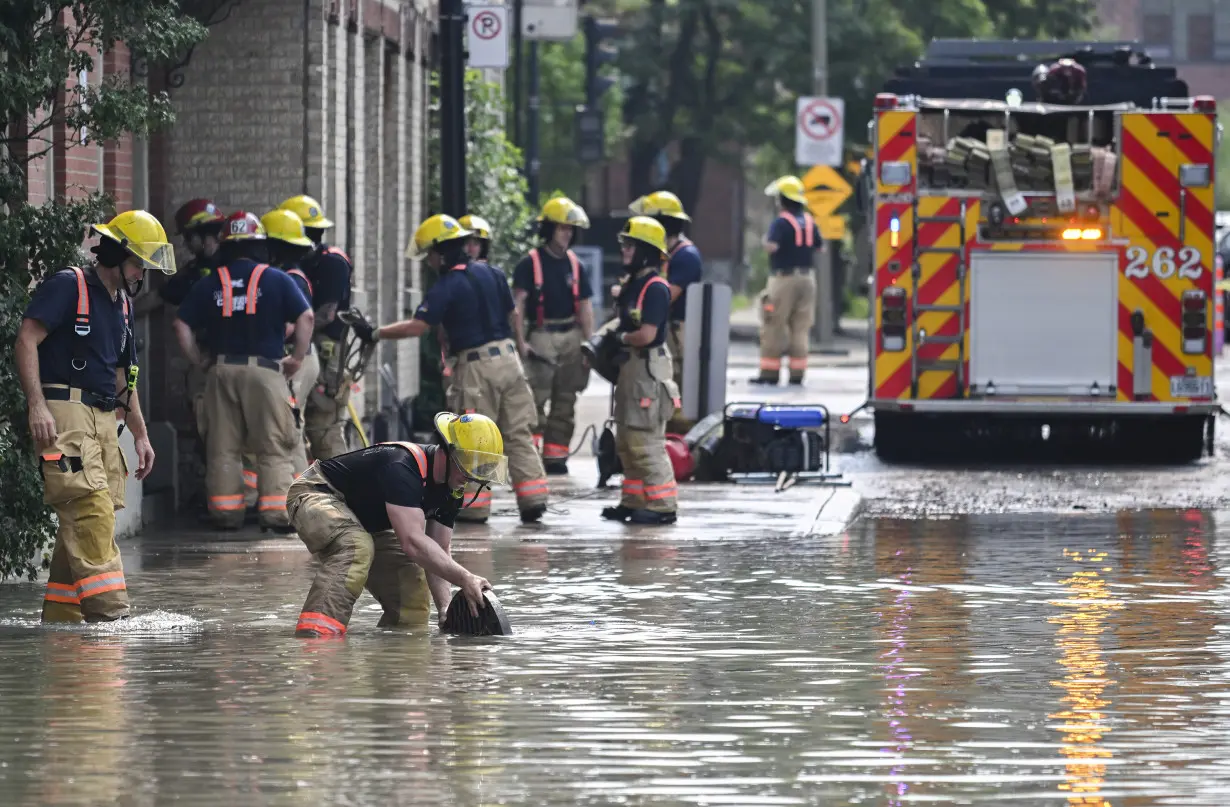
[824, 324]
[452, 108]
[518, 87]
[531, 137]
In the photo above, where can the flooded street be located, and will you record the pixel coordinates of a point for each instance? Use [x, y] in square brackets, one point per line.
[1057, 659]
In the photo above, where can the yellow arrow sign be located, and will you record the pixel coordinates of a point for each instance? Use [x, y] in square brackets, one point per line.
[825, 190]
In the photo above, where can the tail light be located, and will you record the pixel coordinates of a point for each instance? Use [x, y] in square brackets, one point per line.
[885, 100]
[892, 319]
[1195, 321]
[1204, 103]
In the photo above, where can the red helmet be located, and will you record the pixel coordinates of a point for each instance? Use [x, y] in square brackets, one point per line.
[680, 457]
[197, 213]
[242, 226]
[1063, 82]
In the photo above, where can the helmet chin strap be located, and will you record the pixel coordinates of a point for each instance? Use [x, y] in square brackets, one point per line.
[133, 289]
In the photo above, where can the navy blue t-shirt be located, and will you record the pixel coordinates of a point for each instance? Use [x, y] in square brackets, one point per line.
[683, 268]
[470, 319]
[654, 306]
[278, 302]
[556, 287]
[330, 269]
[176, 288]
[54, 304]
[789, 254]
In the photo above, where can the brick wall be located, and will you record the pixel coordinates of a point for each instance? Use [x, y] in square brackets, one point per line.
[118, 155]
[275, 104]
[1121, 19]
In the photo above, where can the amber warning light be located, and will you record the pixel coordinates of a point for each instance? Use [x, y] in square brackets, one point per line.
[1077, 234]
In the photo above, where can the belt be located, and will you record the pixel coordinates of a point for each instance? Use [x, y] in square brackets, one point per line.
[797, 270]
[558, 327]
[475, 355]
[102, 403]
[254, 361]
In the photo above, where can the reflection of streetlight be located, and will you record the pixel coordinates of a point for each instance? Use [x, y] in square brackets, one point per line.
[1084, 721]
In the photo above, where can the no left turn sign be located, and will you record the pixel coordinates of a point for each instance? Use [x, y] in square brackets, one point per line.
[818, 131]
[488, 45]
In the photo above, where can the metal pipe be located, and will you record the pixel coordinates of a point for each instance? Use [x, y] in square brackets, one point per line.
[531, 139]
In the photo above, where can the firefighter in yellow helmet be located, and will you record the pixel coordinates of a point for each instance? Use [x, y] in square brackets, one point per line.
[331, 273]
[244, 308]
[789, 303]
[382, 518]
[683, 268]
[554, 308]
[288, 246]
[645, 394]
[472, 301]
[75, 348]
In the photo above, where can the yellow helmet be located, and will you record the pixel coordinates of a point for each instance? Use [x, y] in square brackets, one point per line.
[789, 186]
[477, 225]
[562, 210]
[308, 210]
[645, 230]
[142, 235]
[436, 230]
[660, 203]
[283, 225]
[476, 445]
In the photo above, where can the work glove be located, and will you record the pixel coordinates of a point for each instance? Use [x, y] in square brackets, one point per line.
[364, 330]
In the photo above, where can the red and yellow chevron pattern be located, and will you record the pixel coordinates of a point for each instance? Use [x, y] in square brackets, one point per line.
[1145, 217]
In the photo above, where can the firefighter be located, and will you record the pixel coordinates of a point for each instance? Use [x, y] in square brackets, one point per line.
[331, 272]
[382, 518]
[76, 360]
[553, 293]
[243, 308]
[683, 268]
[645, 394]
[473, 303]
[199, 223]
[288, 245]
[789, 304]
[478, 245]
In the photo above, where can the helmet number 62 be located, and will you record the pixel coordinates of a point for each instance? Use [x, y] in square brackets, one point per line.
[1163, 263]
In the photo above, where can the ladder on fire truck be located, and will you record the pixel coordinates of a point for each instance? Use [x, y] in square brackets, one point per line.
[919, 365]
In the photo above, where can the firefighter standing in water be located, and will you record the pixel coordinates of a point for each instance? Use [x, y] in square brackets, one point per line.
[330, 271]
[76, 361]
[244, 308]
[382, 518]
[789, 305]
[645, 395]
[554, 307]
[473, 303]
[683, 268]
[288, 245]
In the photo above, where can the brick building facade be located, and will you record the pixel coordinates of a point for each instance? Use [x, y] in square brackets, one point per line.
[1192, 34]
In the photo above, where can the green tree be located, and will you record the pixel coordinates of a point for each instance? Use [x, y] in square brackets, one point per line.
[42, 42]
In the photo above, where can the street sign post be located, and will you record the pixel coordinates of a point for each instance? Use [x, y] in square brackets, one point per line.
[818, 130]
[488, 32]
[826, 190]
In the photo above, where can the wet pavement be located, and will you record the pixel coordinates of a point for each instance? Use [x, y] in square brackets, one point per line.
[1023, 636]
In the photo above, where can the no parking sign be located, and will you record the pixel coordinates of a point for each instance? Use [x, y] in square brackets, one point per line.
[488, 34]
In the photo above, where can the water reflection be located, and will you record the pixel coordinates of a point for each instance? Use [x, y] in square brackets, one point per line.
[909, 661]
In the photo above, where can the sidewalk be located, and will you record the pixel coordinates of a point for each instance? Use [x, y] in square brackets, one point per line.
[850, 347]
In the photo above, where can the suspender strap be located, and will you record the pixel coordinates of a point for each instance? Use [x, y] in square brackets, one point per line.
[253, 282]
[82, 324]
[416, 451]
[250, 293]
[308, 283]
[228, 301]
[805, 235]
[536, 261]
[640, 299]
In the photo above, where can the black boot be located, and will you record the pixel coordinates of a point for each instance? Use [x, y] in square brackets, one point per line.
[796, 380]
[765, 379]
[533, 513]
[556, 467]
[617, 513]
[652, 517]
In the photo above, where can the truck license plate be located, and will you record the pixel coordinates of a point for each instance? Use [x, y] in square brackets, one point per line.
[1191, 386]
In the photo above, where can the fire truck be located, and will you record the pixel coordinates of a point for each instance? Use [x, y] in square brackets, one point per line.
[1042, 220]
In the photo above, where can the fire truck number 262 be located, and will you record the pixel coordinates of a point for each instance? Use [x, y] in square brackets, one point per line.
[1163, 263]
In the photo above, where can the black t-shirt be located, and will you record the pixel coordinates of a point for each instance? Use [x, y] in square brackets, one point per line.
[176, 288]
[329, 269]
[390, 474]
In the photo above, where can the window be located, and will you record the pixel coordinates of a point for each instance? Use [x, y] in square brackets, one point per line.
[1200, 38]
[1157, 30]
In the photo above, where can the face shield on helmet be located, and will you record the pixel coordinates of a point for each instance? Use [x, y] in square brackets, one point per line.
[475, 446]
[142, 237]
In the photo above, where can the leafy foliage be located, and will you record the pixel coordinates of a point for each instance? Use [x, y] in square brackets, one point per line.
[37, 54]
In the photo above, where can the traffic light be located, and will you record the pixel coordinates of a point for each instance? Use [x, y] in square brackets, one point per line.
[597, 54]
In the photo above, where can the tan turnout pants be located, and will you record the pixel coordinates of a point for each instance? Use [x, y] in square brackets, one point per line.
[789, 308]
[301, 387]
[84, 475]
[557, 377]
[489, 380]
[645, 399]
[247, 408]
[678, 424]
[351, 559]
[325, 411]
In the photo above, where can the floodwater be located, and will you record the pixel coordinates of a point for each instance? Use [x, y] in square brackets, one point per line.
[1033, 660]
